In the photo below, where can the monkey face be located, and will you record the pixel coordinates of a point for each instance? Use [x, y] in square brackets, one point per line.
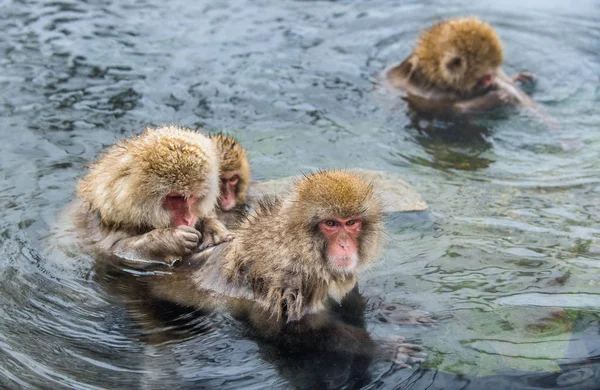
[341, 235]
[181, 209]
[235, 171]
[229, 187]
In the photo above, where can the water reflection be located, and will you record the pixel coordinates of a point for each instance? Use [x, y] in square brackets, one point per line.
[175, 334]
[457, 144]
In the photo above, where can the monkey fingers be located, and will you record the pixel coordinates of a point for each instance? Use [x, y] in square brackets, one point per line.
[214, 233]
[188, 239]
[411, 317]
[407, 354]
[524, 78]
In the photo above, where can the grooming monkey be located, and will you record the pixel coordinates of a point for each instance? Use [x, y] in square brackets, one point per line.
[150, 199]
[456, 68]
[290, 258]
[234, 177]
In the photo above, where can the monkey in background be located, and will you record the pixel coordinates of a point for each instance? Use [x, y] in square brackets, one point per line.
[290, 259]
[150, 199]
[234, 177]
[456, 69]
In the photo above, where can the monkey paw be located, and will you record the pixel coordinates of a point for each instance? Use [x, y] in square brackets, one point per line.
[214, 233]
[525, 79]
[396, 350]
[185, 240]
[392, 315]
[407, 354]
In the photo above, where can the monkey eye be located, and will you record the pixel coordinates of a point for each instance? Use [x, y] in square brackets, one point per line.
[351, 222]
[234, 178]
[330, 223]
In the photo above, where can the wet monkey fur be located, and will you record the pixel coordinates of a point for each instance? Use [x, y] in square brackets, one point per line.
[290, 259]
[456, 68]
[150, 199]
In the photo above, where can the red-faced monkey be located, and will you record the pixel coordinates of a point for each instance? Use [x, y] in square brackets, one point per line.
[234, 176]
[290, 258]
[150, 199]
[456, 68]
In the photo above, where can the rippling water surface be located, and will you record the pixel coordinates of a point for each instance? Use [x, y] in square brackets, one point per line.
[507, 257]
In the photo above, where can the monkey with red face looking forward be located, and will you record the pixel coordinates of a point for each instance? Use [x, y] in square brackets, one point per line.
[456, 68]
[150, 199]
[234, 177]
[291, 257]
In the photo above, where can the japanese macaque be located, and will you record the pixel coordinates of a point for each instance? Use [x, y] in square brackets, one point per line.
[150, 199]
[456, 68]
[234, 176]
[290, 259]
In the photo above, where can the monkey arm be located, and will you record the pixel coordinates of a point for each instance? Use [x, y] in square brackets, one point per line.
[157, 246]
[351, 309]
[320, 332]
[493, 99]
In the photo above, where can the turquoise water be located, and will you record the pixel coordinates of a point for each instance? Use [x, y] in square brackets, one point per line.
[507, 257]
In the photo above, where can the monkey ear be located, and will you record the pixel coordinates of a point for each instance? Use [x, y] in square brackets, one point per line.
[455, 64]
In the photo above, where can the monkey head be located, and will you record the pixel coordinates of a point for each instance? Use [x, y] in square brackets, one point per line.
[342, 213]
[234, 172]
[166, 177]
[461, 55]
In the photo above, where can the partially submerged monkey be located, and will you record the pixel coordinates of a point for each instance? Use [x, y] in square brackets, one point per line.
[456, 68]
[290, 258]
[234, 177]
[150, 199]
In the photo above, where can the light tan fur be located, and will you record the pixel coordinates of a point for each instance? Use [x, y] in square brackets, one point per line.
[472, 41]
[119, 211]
[444, 72]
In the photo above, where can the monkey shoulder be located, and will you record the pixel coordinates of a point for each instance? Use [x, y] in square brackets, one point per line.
[399, 75]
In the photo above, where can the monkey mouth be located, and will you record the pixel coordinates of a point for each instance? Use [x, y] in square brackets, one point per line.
[226, 203]
[486, 80]
[343, 262]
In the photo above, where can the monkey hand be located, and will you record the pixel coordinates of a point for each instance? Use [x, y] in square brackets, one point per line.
[174, 243]
[214, 233]
[401, 353]
[525, 79]
[493, 99]
[418, 318]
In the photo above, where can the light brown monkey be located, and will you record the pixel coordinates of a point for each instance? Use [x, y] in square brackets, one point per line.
[290, 258]
[234, 176]
[150, 199]
[456, 68]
